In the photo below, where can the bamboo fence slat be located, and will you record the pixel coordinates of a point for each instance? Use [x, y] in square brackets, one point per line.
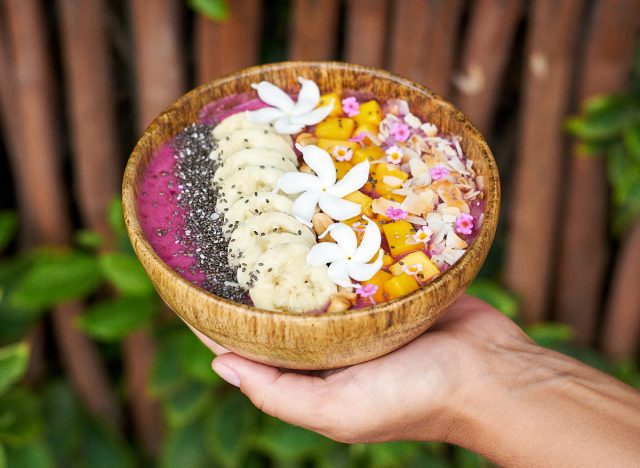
[585, 247]
[223, 47]
[366, 32]
[314, 30]
[537, 183]
[487, 47]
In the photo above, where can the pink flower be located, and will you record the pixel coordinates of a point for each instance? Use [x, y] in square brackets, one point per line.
[342, 153]
[464, 223]
[394, 155]
[367, 290]
[350, 106]
[400, 131]
[359, 138]
[439, 172]
[396, 214]
[423, 235]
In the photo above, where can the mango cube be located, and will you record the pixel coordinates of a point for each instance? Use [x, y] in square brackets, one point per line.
[369, 128]
[379, 172]
[370, 113]
[329, 144]
[325, 99]
[399, 236]
[337, 128]
[372, 153]
[379, 279]
[342, 167]
[400, 285]
[387, 260]
[363, 200]
[427, 269]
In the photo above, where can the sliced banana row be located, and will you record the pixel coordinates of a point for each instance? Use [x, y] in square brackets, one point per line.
[267, 245]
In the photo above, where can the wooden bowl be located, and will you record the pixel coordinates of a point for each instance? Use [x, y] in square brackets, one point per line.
[293, 340]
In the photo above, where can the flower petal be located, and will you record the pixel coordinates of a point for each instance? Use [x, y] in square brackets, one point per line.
[338, 272]
[352, 181]
[308, 97]
[296, 182]
[338, 208]
[264, 115]
[321, 163]
[364, 271]
[305, 205]
[274, 96]
[323, 253]
[313, 117]
[344, 236]
[370, 243]
[284, 125]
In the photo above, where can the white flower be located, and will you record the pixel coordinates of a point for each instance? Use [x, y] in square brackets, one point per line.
[423, 234]
[322, 188]
[394, 155]
[290, 117]
[346, 258]
[412, 270]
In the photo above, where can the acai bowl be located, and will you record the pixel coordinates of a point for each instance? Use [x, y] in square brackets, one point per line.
[311, 215]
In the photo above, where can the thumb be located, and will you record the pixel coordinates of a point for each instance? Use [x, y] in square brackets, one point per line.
[294, 398]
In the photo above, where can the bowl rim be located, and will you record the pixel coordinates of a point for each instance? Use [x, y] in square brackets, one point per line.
[139, 240]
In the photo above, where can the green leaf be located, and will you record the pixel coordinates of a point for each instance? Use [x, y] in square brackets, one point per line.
[464, 458]
[125, 273]
[56, 278]
[216, 10]
[550, 334]
[8, 228]
[20, 417]
[632, 142]
[33, 455]
[494, 294]
[230, 429]
[392, 454]
[186, 403]
[14, 360]
[196, 360]
[285, 442]
[65, 423]
[90, 240]
[3, 457]
[104, 448]
[628, 372]
[185, 448]
[116, 218]
[168, 373]
[114, 319]
[605, 118]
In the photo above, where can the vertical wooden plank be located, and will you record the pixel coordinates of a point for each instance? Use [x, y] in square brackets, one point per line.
[159, 60]
[424, 35]
[38, 173]
[537, 183]
[314, 30]
[622, 319]
[226, 46]
[584, 254]
[366, 32]
[488, 43]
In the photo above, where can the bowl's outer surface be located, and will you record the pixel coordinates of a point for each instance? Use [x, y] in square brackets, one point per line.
[298, 341]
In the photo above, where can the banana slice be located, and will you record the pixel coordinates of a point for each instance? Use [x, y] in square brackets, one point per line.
[252, 179]
[286, 283]
[239, 121]
[251, 138]
[258, 233]
[252, 205]
[253, 157]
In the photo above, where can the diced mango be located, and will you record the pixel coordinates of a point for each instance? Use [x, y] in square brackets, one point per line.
[379, 279]
[372, 153]
[395, 197]
[378, 173]
[369, 129]
[370, 113]
[337, 128]
[363, 200]
[400, 285]
[399, 237]
[325, 99]
[427, 271]
[342, 167]
[328, 144]
[387, 260]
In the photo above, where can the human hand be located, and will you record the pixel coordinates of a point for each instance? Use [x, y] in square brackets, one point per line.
[415, 392]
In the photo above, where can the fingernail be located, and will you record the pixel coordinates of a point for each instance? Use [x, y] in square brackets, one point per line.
[227, 374]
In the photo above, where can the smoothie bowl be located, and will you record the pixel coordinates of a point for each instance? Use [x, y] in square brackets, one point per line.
[311, 215]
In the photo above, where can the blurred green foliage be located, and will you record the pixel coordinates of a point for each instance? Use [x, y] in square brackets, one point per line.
[217, 10]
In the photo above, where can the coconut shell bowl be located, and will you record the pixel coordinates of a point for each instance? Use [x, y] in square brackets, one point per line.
[312, 341]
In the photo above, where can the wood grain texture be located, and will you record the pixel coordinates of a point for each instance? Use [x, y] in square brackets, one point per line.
[314, 30]
[366, 32]
[537, 180]
[488, 44]
[581, 278]
[229, 45]
[301, 341]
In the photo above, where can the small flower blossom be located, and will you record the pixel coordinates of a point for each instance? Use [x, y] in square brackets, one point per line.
[394, 155]
[359, 138]
[400, 131]
[358, 226]
[423, 234]
[342, 153]
[396, 214]
[464, 223]
[412, 270]
[367, 290]
[288, 116]
[439, 172]
[350, 106]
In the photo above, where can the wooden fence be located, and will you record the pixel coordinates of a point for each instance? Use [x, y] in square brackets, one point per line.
[79, 79]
